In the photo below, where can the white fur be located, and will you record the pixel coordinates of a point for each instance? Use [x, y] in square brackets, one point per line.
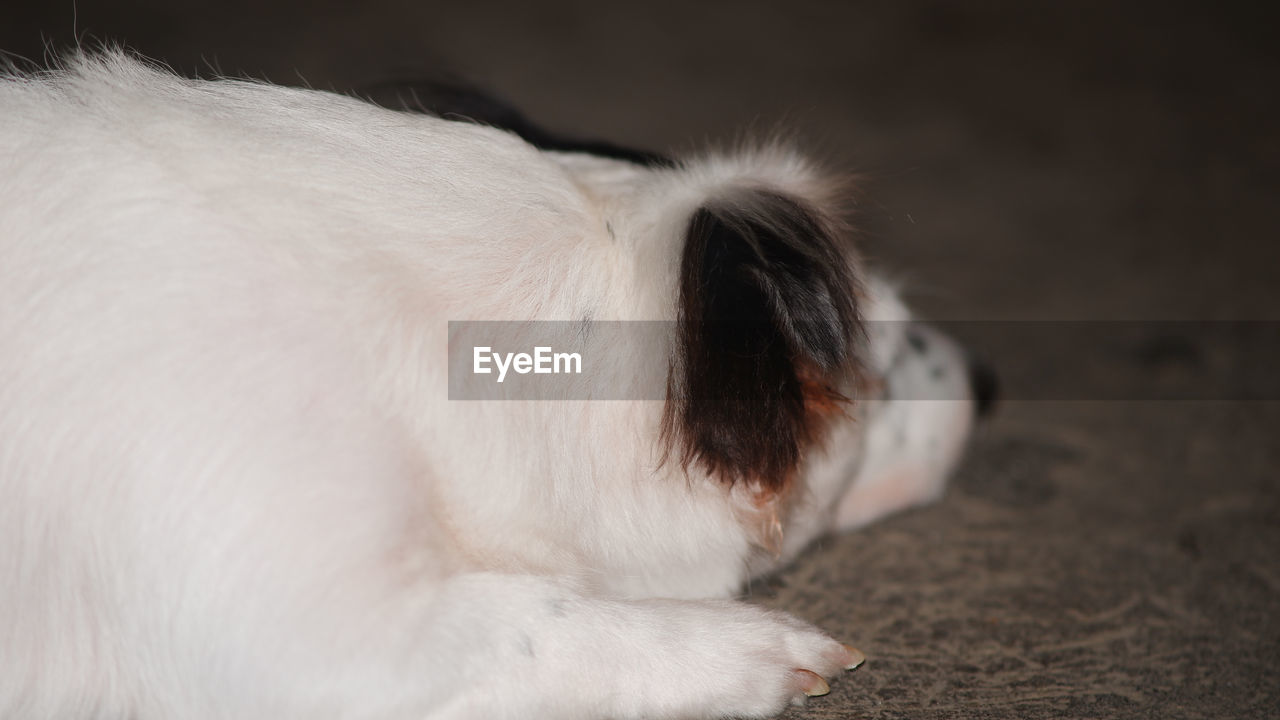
[232, 484]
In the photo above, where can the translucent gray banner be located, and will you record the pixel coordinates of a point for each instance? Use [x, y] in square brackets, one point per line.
[1226, 361]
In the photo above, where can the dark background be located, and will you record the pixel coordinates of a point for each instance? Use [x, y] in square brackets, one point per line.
[1098, 557]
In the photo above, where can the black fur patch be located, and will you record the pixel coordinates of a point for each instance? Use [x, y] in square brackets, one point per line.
[766, 311]
[459, 101]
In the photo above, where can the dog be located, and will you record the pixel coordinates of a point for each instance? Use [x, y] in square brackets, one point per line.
[235, 480]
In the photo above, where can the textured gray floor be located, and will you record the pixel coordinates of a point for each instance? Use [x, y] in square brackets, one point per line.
[1096, 557]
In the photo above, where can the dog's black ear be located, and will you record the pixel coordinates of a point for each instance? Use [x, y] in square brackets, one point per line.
[767, 327]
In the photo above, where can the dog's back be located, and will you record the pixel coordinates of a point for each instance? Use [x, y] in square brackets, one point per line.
[202, 288]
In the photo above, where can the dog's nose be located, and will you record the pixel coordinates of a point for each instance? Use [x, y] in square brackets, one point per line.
[984, 386]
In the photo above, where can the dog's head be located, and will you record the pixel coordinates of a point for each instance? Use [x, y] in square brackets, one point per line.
[795, 377]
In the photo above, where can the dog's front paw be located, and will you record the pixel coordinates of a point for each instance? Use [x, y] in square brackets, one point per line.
[566, 655]
[733, 660]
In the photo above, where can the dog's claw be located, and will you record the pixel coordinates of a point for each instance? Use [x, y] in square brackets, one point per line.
[812, 684]
[856, 657]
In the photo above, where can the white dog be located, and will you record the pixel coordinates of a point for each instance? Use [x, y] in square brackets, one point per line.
[233, 483]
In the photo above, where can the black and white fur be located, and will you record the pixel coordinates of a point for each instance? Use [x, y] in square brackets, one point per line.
[232, 484]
